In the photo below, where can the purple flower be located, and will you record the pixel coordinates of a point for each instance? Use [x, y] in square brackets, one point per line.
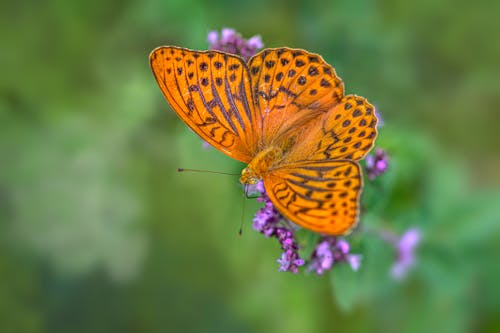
[232, 42]
[260, 187]
[212, 38]
[255, 42]
[322, 258]
[376, 164]
[267, 219]
[343, 246]
[271, 223]
[290, 262]
[405, 257]
[330, 250]
[290, 259]
[206, 145]
[354, 261]
[380, 122]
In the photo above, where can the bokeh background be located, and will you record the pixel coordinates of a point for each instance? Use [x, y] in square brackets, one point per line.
[99, 233]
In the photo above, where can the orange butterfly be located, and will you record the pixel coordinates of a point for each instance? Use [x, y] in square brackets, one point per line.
[283, 113]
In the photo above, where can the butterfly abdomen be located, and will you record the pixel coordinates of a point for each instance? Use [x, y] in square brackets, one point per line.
[260, 165]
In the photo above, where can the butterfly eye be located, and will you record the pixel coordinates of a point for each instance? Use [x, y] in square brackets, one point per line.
[254, 180]
[248, 176]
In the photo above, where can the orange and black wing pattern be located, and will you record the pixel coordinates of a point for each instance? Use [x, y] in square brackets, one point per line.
[290, 88]
[348, 131]
[319, 196]
[211, 92]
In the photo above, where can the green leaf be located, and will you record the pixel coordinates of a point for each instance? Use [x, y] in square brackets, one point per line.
[346, 287]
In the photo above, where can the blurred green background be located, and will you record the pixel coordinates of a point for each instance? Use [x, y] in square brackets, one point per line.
[98, 233]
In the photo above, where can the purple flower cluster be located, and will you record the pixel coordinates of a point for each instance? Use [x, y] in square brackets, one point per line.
[232, 42]
[271, 223]
[290, 259]
[405, 253]
[332, 250]
[376, 164]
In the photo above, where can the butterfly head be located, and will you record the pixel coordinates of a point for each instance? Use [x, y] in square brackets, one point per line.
[260, 165]
[248, 176]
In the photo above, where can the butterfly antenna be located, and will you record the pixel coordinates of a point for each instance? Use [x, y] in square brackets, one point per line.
[240, 232]
[207, 171]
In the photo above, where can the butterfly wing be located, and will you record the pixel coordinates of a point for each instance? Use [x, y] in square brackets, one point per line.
[290, 88]
[322, 196]
[211, 92]
[347, 131]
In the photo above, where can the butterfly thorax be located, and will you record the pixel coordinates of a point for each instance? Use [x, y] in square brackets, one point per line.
[260, 165]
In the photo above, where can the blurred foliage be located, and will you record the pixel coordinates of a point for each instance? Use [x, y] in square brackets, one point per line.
[98, 233]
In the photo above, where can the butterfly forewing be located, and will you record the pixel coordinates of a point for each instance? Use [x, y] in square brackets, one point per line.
[211, 92]
[291, 87]
[319, 196]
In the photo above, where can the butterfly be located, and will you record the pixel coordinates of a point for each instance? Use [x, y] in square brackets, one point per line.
[285, 115]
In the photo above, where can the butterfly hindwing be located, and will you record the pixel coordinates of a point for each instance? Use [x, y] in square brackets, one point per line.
[211, 92]
[320, 196]
[354, 123]
[347, 131]
[291, 87]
